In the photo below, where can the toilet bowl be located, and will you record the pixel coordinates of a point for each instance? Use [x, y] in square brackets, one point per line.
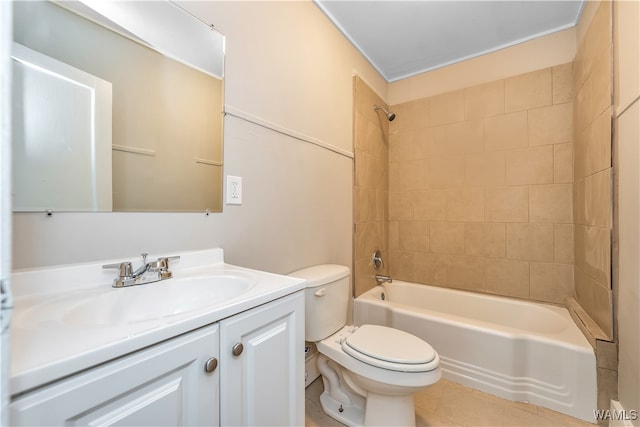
[369, 372]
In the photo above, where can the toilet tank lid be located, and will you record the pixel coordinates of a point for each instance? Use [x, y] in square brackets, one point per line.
[319, 275]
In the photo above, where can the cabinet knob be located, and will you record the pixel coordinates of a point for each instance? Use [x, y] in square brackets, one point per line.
[237, 349]
[211, 365]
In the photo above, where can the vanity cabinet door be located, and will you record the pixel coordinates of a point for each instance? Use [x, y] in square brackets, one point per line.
[163, 385]
[262, 359]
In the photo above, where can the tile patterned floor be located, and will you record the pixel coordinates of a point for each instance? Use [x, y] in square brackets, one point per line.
[449, 404]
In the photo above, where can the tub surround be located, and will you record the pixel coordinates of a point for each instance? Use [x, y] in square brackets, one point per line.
[46, 346]
[371, 185]
[480, 188]
[592, 202]
[518, 350]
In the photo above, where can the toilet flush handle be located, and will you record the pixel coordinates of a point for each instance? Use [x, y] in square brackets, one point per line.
[320, 292]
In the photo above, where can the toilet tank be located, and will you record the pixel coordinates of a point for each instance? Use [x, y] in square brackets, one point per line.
[326, 299]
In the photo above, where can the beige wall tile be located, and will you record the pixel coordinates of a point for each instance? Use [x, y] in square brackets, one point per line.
[465, 137]
[507, 204]
[507, 277]
[383, 205]
[431, 269]
[446, 108]
[582, 107]
[530, 90]
[607, 380]
[460, 271]
[447, 237]
[423, 268]
[597, 199]
[562, 83]
[401, 146]
[579, 210]
[363, 279]
[579, 236]
[366, 204]
[413, 175]
[370, 136]
[563, 249]
[421, 143]
[431, 141]
[607, 354]
[375, 174]
[551, 282]
[394, 235]
[368, 237]
[532, 165]
[465, 204]
[400, 206]
[603, 309]
[530, 241]
[446, 171]
[593, 253]
[551, 125]
[402, 266]
[598, 145]
[485, 169]
[580, 143]
[394, 176]
[597, 252]
[584, 289]
[601, 87]
[506, 131]
[551, 203]
[598, 36]
[430, 205]
[485, 239]
[563, 163]
[410, 115]
[413, 236]
[484, 100]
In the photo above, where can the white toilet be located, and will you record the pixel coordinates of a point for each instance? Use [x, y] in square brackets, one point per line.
[369, 372]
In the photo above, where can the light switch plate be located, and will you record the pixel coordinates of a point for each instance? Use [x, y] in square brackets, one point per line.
[234, 190]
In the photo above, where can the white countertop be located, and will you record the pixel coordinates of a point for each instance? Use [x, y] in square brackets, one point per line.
[46, 347]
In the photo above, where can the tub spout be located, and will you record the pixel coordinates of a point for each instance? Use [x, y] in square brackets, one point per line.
[380, 278]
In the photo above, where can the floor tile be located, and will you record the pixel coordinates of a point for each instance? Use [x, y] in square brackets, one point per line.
[449, 404]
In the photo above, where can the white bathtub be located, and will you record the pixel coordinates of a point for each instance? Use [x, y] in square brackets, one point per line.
[518, 350]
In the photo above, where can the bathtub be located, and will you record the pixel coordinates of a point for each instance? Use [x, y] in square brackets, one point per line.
[517, 350]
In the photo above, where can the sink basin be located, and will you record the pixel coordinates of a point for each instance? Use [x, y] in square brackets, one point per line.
[107, 307]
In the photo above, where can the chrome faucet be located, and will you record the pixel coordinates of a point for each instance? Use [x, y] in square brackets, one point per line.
[148, 272]
[381, 278]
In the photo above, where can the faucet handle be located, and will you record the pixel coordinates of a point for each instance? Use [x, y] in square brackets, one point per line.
[163, 262]
[124, 268]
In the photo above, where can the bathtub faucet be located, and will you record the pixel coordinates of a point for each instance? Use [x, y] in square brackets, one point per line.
[380, 278]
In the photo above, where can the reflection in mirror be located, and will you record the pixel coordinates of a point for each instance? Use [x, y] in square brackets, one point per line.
[102, 121]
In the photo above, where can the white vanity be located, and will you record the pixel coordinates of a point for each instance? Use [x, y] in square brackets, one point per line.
[214, 345]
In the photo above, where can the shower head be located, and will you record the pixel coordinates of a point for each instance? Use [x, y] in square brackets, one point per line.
[390, 116]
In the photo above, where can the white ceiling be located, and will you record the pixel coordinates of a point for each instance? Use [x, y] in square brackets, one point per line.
[403, 38]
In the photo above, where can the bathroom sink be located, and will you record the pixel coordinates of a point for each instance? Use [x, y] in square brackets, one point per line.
[110, 307]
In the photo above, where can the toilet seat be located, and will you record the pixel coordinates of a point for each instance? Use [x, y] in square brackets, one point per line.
[391, 349]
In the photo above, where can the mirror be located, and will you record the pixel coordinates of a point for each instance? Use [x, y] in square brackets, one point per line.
[117, 106]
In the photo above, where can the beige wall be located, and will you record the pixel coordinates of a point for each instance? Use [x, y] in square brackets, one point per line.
[286, 64]
[371, 185]
[626, 21]
[542, 52]
[480, 187]
[592, 204]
